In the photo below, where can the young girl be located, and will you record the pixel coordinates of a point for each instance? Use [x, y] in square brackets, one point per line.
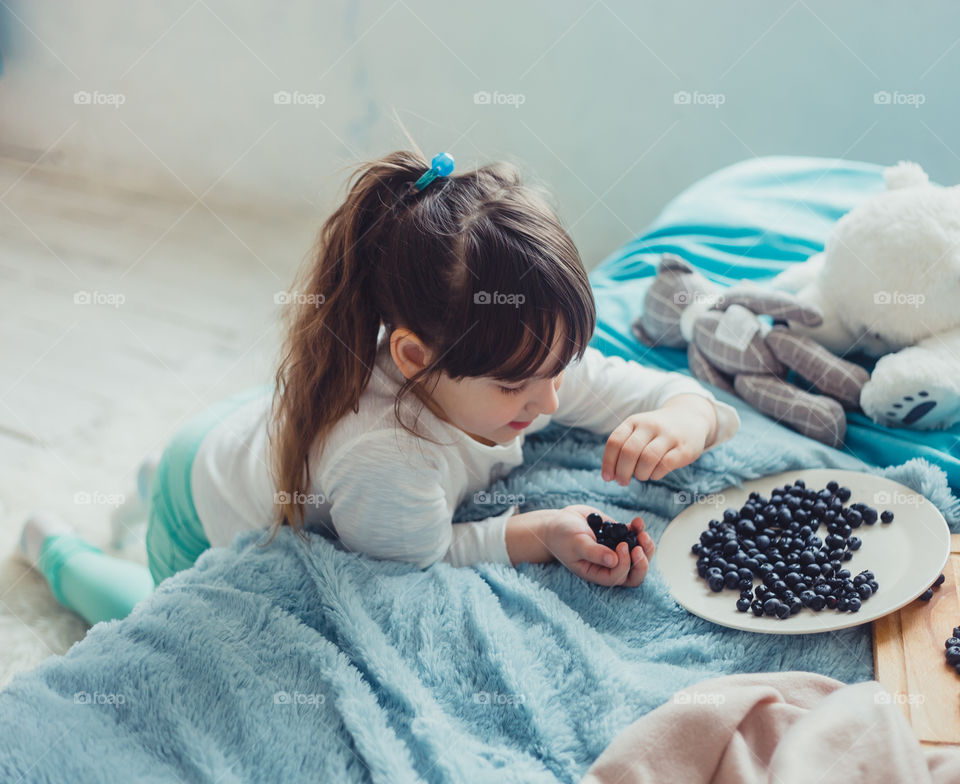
[462, 293]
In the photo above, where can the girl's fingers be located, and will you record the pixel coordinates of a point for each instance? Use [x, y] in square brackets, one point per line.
[643, 538]
[611, 453]
[629, 457]
[622, 569]
[600, 575]
[646, 542]
[670, 461]
[651, 456]
[599, 553]
[638, 571]
[618, 574]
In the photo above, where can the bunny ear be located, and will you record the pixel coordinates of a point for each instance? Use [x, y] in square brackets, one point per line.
[671, 262]
[906, 174]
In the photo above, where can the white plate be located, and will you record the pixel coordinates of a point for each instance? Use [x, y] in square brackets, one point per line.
[906, 556]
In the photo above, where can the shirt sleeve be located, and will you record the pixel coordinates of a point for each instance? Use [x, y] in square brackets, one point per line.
[390, 504]
[598, 392]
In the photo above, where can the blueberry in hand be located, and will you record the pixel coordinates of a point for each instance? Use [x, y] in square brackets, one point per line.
[611, 534]
[594, 521]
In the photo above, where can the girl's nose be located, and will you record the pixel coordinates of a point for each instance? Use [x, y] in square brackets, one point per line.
[548, 400]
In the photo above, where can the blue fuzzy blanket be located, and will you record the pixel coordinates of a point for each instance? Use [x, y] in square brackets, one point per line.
[300, 662]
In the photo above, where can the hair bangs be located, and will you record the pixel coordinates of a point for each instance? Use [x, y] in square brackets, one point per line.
[516, 345]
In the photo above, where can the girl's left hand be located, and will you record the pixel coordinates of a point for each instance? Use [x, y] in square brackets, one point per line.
[652, 444]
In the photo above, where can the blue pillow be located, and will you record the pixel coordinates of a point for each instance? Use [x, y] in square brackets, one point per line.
[750, 221]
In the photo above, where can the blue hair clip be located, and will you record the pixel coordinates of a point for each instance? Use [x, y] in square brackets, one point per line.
[440, 166]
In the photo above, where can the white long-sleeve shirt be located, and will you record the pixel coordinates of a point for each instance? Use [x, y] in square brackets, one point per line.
[389, 494]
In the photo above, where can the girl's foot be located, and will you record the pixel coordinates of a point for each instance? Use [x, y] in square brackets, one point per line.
[35, 532]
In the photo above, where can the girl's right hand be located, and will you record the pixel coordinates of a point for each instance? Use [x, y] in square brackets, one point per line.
[570, 539]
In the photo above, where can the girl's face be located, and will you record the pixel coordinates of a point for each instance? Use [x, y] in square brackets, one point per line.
[491, 411]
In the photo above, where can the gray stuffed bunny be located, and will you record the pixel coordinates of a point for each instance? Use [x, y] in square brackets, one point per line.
[730, 347]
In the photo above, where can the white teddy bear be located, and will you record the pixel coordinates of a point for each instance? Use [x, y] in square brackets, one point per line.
[888, 285]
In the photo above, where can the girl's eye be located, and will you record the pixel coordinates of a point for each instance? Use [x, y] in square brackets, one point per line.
[511, 390]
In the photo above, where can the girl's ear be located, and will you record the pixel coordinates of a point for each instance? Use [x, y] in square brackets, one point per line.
[408, 351]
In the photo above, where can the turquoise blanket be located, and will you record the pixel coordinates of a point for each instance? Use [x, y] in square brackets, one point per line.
[750, 221]
[307, 662]
[300, 662]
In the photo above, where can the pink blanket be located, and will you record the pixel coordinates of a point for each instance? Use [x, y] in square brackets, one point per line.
[783, 727]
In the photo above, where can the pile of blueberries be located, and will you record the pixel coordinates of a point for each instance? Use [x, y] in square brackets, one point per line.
[953, 649]
[776, 540]
[952, 643]
[611, 534]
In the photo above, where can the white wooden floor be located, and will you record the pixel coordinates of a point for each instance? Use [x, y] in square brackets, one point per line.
[122, 315]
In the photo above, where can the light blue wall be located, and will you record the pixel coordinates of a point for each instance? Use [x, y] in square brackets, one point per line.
[598, 123]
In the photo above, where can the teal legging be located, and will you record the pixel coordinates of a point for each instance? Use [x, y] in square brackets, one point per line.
[99, 587]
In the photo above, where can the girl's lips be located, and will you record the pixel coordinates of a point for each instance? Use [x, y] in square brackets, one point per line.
[519, 425]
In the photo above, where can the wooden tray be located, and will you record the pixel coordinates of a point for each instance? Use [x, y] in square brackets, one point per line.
[908, 658]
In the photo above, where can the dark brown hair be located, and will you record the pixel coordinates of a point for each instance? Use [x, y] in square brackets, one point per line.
[435, 262]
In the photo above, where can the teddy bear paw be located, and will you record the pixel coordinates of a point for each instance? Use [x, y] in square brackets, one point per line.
[916, 387]
[933, 406]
